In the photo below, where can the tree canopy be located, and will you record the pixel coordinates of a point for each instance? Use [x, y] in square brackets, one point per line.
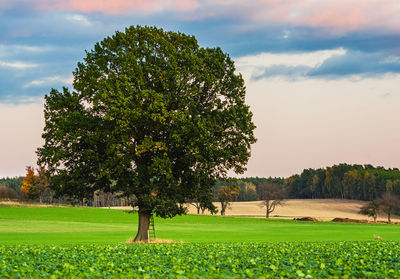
[152, 115]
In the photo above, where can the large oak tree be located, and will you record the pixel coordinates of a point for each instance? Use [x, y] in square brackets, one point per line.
[153, 116]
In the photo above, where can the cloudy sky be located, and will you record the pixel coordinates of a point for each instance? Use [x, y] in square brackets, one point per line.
[322, 77]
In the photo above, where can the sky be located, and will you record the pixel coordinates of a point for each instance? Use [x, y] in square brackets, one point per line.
[322, 77]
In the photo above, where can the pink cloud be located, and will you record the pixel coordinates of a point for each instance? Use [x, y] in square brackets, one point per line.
[115, 7]
[347, 15]
[335, 15]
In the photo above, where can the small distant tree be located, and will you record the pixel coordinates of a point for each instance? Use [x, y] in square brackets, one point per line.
[371, 209]
[27, 188]
[272, 195]
[201, 207]
[227, 194]
[389, 203]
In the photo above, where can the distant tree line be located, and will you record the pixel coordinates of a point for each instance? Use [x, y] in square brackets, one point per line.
[12, 182]
[343, 181]
[10, 188]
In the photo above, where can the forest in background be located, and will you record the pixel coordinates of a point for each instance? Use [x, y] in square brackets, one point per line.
[12, 182]
[343, 181]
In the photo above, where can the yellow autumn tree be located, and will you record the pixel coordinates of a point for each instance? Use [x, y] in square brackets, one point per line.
[35, 186]
[28, 183]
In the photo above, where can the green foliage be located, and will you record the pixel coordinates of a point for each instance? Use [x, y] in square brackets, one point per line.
[248, 192]
[240, 260]
[258, 180]
[153, 115]
[344, 181]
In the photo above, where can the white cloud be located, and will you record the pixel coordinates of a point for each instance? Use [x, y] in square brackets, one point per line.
[326, 64]
[11, 51]
[77, 18]
[266, 59]
[17, 65]
[286, 34]
[49, 80]
[24, 48]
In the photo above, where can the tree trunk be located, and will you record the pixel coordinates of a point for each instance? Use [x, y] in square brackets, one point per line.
[223, 207]
[41, 199]
[267, 205]
[143, 227]
[198, 209]
[389, 216]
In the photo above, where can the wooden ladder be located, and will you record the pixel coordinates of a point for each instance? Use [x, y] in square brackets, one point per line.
[152, 230]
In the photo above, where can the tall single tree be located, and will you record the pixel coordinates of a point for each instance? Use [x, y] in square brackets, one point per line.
[152, 115]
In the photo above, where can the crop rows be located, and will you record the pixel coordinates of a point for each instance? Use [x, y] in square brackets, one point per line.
[222, 260]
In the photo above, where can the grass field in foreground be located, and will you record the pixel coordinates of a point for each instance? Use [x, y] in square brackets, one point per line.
[74, 225]
[204, 260]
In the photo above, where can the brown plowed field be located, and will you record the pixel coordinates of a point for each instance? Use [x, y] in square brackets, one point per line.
[325, 209]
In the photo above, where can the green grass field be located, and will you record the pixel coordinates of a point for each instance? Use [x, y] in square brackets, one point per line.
[74, 225]
[68, 242]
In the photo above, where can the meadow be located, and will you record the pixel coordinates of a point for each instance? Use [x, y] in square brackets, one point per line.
[80, 225]
[75, 242]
